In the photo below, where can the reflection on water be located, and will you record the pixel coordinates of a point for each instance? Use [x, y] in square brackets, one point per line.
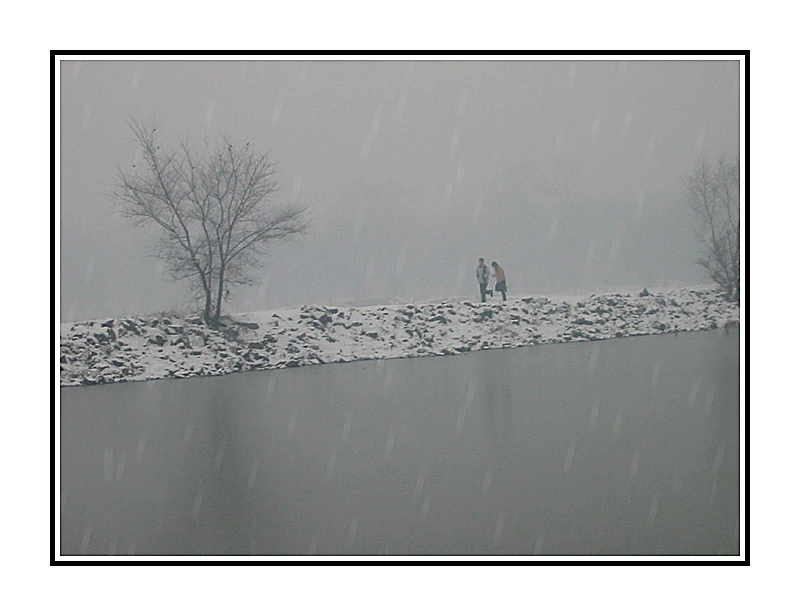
[616, 447]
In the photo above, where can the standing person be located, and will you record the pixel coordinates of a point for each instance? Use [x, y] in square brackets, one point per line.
[500, 274]
[482, 273]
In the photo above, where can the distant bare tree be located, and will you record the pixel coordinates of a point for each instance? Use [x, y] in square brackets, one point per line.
[714, 196]
[213, 211]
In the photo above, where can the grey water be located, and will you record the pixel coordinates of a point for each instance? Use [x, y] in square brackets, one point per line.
[619, 447]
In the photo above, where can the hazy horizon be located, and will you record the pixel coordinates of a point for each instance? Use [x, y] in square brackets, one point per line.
[566, 172]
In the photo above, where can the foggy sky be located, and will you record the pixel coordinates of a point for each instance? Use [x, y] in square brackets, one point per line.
[567, 173]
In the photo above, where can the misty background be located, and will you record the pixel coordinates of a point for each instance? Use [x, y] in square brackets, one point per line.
[568, 173]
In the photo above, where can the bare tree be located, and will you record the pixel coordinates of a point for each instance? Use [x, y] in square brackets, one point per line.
[714, 196]
[213, 210]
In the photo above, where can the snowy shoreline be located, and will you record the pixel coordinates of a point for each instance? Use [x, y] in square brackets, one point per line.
[145, 348]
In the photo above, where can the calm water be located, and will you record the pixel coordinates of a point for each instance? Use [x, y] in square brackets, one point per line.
[617, 447]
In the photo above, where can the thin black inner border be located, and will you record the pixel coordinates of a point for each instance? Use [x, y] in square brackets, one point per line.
[370, 561]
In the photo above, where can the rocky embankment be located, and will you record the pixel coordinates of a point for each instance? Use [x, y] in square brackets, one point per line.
[143, 348]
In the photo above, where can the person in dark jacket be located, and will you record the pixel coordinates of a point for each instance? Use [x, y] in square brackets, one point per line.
[482, 274]
[500, 274]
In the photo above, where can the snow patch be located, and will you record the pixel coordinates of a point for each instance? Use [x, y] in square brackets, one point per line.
[144, 348]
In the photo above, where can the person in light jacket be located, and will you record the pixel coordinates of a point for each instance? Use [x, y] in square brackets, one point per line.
[482, 273]
[500, 274]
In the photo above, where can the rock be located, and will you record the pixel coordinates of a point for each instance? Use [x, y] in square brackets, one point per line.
[96, 351]
[246, 325]
[230, 334]
[157, 339]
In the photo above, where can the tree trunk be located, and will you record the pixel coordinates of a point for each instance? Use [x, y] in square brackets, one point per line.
[207, 307]
[220, 287]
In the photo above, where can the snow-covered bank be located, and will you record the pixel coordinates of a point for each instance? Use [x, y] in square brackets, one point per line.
[144, 348]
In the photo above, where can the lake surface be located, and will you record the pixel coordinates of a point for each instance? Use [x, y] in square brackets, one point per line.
[620, 447]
